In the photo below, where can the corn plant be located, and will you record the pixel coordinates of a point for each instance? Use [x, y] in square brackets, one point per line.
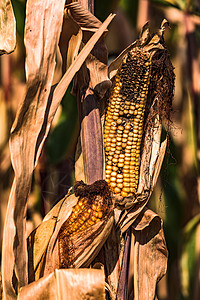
[103, 223]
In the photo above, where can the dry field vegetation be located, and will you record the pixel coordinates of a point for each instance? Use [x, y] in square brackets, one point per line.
[93, 101]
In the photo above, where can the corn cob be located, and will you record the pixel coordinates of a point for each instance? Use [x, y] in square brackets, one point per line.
[94, 205]
[124, 122]
[82, 217]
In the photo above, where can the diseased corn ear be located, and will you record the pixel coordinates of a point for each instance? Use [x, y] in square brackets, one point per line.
[93, 208]
[142, 89]
[124, 122]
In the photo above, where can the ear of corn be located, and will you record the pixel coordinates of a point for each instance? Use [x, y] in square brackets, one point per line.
[124, 122]
[83, 216]
[93, 206]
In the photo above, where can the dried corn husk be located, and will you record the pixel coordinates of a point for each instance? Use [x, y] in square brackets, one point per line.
[67, 284]
[43, 242]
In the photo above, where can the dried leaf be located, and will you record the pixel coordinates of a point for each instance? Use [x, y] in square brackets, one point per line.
[159, 162]
[44, 288]
[70, 41]
[40, 63]
[128, 217]
[39, 240]
[76, 287]
[145, 33]
[149, 156]
[64, 83]
[144, 259]
[150, 255]
[33, 123]
[37, 245]
[7, 28]
[67, 284]
[97, 61]
[122, 291]
[112, 253]
[83, 17]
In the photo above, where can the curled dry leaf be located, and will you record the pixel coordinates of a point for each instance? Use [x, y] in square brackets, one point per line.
[7, 28]
[97, 61]
[70, 40]
[149, 253]
[140, 260]
[83, 17]
[135, 262]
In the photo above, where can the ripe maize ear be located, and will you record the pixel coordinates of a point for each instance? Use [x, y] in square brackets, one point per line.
[124, 122]
[94, 205]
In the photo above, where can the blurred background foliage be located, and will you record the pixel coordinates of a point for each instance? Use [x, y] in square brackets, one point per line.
[177, 195]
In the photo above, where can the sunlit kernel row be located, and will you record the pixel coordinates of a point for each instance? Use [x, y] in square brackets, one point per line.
[82, 217]
[123, 127]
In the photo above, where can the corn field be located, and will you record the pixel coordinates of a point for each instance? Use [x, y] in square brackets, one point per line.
[100, 149]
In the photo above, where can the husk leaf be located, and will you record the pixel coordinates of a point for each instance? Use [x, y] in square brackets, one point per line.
[67, 284]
